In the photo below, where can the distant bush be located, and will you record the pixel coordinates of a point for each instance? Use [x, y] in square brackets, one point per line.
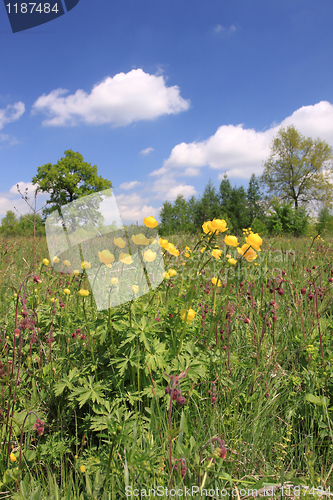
[284, 219]
[21, 226]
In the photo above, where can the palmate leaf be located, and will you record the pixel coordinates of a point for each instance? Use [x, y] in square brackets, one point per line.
[66, 382]
[90, 391]
[122, 363]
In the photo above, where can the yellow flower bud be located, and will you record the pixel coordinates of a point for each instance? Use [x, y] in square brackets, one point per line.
[190, 315]
[150, 222]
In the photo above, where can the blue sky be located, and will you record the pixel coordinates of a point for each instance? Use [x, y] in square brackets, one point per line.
[162, 95]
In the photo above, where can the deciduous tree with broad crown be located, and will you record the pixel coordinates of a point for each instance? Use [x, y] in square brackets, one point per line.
[299, 168]
[68, 180]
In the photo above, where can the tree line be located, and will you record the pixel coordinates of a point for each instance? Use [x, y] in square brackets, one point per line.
[297, 173]
[240, 208]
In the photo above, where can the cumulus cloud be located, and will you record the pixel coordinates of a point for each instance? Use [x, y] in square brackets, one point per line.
[13, 201]
[146, 151]
[11, 113]
[129, 185]
[313, 121]
[240, 151]
[134, 208]
[22, 187]
[118, 101]
[180, 189]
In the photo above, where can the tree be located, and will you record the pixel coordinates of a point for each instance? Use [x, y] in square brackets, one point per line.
[9, 223]
[233, 202]
[68, 180]
[209, 207]
[254, 197]
[298, 168]
[283, 218]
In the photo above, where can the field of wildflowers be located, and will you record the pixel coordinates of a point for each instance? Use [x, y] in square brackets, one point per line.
[221, 377]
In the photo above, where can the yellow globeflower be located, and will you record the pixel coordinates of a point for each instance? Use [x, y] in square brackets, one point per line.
[172, 272]
[172, 250]
[207, 228]
[190, 315]
[12, 457]
[46, 262]
[83, 293]
[82, 469]
[166, 275]
[106, 257]
[140, 239]
[85, 265]
[164, 243]
[66, 263]
[149, 255]
[215, 282]
[119, 242]
[56, 260]
[248, 252]
[67, 291]
[186, 254]
[114, 281]
[254, 240]
[216, 253]
[76, 272]
[219, 224]
[125, 258]
[135, 288]
[231, 241]
[232, 261]
[150, 222]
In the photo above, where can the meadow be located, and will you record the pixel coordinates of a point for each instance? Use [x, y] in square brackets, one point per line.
[217, 384]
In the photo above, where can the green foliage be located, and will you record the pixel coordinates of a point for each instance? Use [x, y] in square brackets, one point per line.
[264, 385]
[283, 219]
[22, 226]
[68, 180]
[298, 168]
[234, 204]
[324, 221]
[254, 200]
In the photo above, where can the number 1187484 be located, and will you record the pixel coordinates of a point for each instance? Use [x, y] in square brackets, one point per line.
[29, 8]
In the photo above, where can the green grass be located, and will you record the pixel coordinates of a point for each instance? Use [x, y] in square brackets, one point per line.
[97, 380]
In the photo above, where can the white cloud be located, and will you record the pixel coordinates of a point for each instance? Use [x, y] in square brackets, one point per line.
[134, 208]
[313, 121]
[146, 151]
[129, 185]
[185, 190]
[23, 186]
[219, 28]
[231, 148]
[240, 151]
[118, 101]
[11, 113]
[12, 200]
[11, 140]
